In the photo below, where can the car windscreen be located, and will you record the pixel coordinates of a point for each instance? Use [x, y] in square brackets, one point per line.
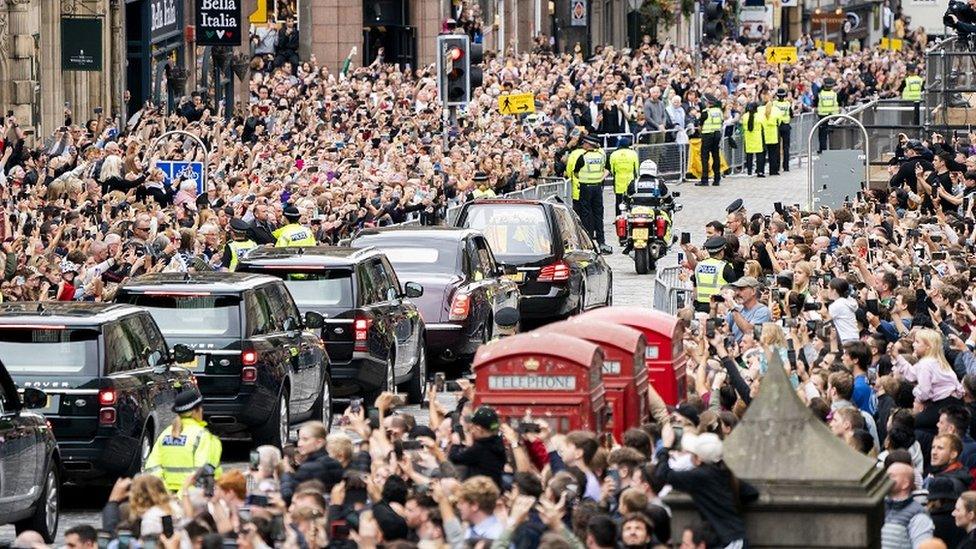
[190, 314]
[330, 288]
[513, 230]
[416, 256]
[40, 350]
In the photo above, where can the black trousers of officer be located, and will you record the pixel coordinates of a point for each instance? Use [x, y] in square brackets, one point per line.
[772, 155]
[822, 133]
[591, 202]
[710, 148]
[784, 143]
[760, 162]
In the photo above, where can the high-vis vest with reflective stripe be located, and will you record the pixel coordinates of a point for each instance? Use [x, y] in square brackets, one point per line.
[754, 138]
[827, 103]
[770, 126]
[570, 166]
[713, 122]
[175, 458]
[913, 88]
[594, 163]
[709, 279]
[623, 165]
[238, 251]
[487, 193]
[293, 234]
[784, 110]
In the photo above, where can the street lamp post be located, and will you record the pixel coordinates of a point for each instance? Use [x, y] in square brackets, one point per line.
[635, 18]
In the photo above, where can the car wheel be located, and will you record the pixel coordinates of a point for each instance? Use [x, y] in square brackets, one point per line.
[275, 430]
[323, 406]
[145, 448]
[47, 510]
[418, 381]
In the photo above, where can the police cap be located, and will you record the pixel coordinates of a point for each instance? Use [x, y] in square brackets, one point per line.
[829, 82]
[239, 225]
[624, 141]
[591, 140]
[715, 243]
[480, 176]
[735, 206]
[292, 212]
[781, 93]
[187, 400]
[912, 67]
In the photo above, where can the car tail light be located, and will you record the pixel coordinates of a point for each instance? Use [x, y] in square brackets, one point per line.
[556, 272]
[106, 397]
[460, 307]
[249, 374]
[621, 225]
[249, 358]
[106, 416]
[361, 332]
[661, 226]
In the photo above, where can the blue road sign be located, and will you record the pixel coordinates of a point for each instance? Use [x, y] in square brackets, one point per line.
[179, 170]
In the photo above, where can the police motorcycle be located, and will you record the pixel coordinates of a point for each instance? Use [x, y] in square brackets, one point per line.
[644, 222]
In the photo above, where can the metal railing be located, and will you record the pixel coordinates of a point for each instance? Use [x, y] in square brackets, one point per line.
[671, 159]
[670, 292]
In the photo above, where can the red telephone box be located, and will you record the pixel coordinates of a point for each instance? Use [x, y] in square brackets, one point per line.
[548, 376]
[624, 371]
[664, 355]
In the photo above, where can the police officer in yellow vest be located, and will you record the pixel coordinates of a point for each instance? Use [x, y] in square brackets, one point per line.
[591, 170]
[911, 89]
[185, 448]
[771, 136]
[238, 246]
[711, 120]
[623, 166]
[482, 188]
[712, 274]
[571, 159]
[293, 233]
[784, 110]
[752, 131]
[827, 104]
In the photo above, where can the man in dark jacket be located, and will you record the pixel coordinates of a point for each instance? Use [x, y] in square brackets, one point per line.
[317, 466]
[484, 453]
[945, 463]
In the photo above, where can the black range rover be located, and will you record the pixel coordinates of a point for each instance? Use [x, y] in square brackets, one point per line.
[373, 330]
[260, 364]
[109, 376]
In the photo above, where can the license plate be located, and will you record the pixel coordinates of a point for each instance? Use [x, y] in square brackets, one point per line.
[53, 405]
[198, 365]
[517, 277]
[640, 234]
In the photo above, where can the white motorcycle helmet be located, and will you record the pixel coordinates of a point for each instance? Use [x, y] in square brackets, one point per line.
[648, 168]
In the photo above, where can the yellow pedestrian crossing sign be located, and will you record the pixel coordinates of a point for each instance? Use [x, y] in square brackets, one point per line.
[893, 44]
[516, 103]
[782, 54]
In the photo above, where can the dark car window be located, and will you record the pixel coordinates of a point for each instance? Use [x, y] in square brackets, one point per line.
[513, 230]
[257, 315]
[57, 350]
[415, 256]
[187, 314]
[485, 259]
[154, 337]
[121, 353]
[266, 303]
[479, 262]
[283, 306]
[382, 285]
[567, 229]
[317, 288]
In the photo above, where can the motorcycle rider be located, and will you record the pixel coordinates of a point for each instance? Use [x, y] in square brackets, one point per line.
[649, 190]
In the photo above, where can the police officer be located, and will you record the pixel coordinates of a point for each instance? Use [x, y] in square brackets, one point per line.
[186, 446]
[784, 110]
[623, 167]
[911, 88]
[771, 136]
[482, 189]
[711, 139]
[239, 245]
[712, 274]
[293, 233]
[571, 159]
[591, 170]
[826, 105]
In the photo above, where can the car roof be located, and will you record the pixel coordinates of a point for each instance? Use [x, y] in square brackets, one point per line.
[211, 281]
[69, 313]
[434, 233]
[485, 201]
[309, 255]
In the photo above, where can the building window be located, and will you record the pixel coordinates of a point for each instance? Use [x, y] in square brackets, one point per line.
[608, 22]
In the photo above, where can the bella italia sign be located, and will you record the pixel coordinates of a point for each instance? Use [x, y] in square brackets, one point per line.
[218, 22]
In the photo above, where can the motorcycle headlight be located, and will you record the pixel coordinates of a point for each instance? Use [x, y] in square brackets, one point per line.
[622, 208]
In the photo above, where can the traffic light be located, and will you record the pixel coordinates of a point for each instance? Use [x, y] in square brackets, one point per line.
[458, 69]
[714, 20]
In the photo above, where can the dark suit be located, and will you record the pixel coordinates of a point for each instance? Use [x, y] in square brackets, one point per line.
[261, 232]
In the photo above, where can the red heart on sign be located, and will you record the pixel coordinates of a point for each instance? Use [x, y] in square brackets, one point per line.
[229, 34]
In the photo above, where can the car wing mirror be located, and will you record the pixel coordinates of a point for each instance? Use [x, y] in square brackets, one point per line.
[314, 320]
[33, 399]
[413, 290]
[183, 354]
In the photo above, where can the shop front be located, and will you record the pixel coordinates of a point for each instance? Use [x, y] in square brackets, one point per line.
[155, 52]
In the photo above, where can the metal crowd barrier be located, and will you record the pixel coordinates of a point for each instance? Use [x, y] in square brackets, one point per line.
[671, 159]
[670, 292]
